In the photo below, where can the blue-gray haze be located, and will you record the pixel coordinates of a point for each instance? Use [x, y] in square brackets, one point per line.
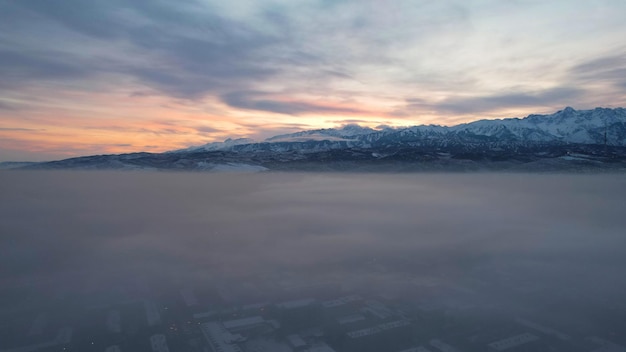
[512, 245]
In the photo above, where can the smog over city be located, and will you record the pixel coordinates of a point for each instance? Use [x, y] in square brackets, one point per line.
[467, 259]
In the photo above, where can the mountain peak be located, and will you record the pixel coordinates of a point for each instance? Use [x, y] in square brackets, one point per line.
[352, 129]
[227, 143]
[569, 109]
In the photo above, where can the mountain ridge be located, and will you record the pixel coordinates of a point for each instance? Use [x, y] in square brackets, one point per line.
[566, 126]
[567, 139]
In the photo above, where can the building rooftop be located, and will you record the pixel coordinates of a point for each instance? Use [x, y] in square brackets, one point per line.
[296, 303]
[152, 313]
[341, 301]
[416, 349]
[394, 324]
[364, 332]
[377, 309]
[378, 328]
[296, 341]
[543, 329]
[219, 338]
[208, 314]
[244, 322]
[606, 345]
[442, 346]
[322, 347]
[513, 341]
[158, 343]
[350, 319]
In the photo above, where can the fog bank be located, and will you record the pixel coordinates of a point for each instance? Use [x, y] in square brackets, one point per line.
[95, 235]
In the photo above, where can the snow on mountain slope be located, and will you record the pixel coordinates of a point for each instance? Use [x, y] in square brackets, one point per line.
[597, 126]
[227, 144]
[347, 132]
[586, 126]
[567, 125]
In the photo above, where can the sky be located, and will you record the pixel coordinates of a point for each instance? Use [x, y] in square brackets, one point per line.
[114, 76]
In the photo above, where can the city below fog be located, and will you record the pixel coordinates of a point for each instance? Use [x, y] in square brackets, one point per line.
[201, 262]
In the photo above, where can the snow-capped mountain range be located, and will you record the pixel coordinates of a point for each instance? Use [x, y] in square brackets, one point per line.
[568, 139]
[568, 126]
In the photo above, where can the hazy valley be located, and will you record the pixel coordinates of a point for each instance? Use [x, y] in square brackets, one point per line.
[95, 261]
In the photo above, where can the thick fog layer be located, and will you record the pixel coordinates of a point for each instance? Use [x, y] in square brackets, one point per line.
[513, 245]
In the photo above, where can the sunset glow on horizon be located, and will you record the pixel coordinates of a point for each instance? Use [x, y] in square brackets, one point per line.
[95, 77]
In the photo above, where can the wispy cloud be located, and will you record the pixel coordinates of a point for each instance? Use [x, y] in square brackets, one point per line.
[257, 101]
[481, 104]
[19, 129]
[609, 69]
[5, 106]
